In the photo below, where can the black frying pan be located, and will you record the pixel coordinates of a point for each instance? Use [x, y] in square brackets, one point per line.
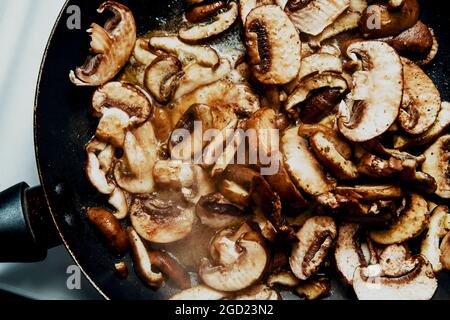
[63, 126]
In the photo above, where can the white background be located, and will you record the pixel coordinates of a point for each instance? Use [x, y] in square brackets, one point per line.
[25, 26]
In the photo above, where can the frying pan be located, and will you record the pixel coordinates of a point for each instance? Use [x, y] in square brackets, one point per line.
[63, 126]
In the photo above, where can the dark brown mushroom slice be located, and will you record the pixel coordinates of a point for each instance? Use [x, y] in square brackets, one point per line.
[318, 104]
[204, 11]
[379, 21]
[111, 47]
[215, 211]
[171, 268]
[273, 45]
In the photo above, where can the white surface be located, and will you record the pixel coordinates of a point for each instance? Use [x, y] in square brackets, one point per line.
[25, 26]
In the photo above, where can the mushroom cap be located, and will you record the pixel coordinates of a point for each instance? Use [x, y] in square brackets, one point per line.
[373, 114]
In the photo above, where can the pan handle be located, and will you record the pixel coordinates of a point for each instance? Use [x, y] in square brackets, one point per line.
[26, 226]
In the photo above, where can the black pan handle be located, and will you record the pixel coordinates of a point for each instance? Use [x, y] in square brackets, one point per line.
[27, 229]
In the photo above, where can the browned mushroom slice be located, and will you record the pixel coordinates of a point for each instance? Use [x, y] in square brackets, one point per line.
[246, 269]
[301, 164]
[273, 45]
[142, 262]
[284, 278]
[259, 292]
[221, 23]
[216, 212]
[315, 237]
[442, 122]
[318, 63]
[236, 184]
[97, 175]
[437, 165]
[315, 82]
[172, 174]
[142, 52]
[245, 6]
[394, 260]
[378, 148]
[371, 193]
[379, 21]
[204, 55]
[161, 221]
[330, 157]
[170, 266]
[433, 51]
[162, 77]
[435, 232]
[317, 15]
[129, 98]
[202, 12]
[445, 252]
[112, 126]
[119, 201]
[313, 289]
[372, 114]
[200, 292]
[348, 253]
[410, 224]
[419, 283]
[421, 100]
[111, 46]
[219, 93]
[196, 75]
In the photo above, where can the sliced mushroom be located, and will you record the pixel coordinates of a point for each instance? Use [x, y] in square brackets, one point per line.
[412, 221]
[134, 172]
[284, 278]
[440, 125]
[216, 212]
[421, 100]
[433, 51]
[317, 15]
[435, 231]
[372, 114]
[110, 228]
[204, 55]
[313, 289]
[394, 260]
[419, 283]
[379, 21]
[200, 292]
[445, 252]
[437, 165]
[202, 12]
[310, 85]
[195, 75]
[258, 293]
[236, 184]
[242, 273]
[245, 6]
[162, 77]
[173, 174]
[160, 221]
[273, 45]
[97, 176]
[142, 262]
[119, 201]
[121, 269]
[219, 93]
[111, 47]
[221, 23]
[348, 253]
[315, 237]
[142, 52]
[371, 192]
[127, 97]
[301, 164]
[171, 268]
[330, 157]
[112, 126]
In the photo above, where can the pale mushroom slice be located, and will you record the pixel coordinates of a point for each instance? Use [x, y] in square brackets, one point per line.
[200, 292]
[311, 84]
[315, 238]
[245, 6]
[435, 232]
[302, 165]
[133, 173]
[419, 283]
[284, 279]
[317, 15]
[111, 47]
[410, 224]
[195, 75]
[219, 93]
[100, 157]
[273, 45]
[186, 53]
[142, 53]
[348, 253]
[162, 77]
[440, 125]
[372, 114]
[173, 174]
[421, 100]
[437, 165]
[161, 221]
[330, 157]
[203, 31]
[124, 96]
[445, 252]
[246, 269]
[112, 126]
[394, 260]
[259, 292]
[142, 262]
[119, 201]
